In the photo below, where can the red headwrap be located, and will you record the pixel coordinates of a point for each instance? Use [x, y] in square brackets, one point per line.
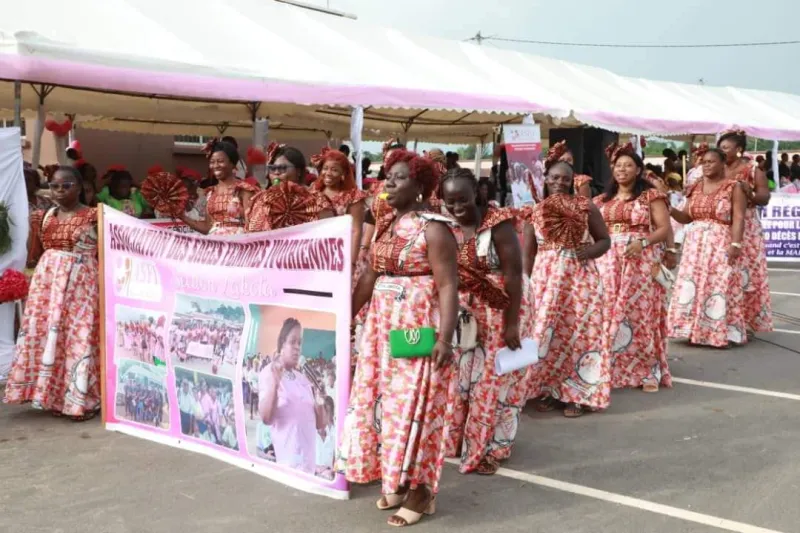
[555, 152]
[733, 131]
[272, 149]
[615, 150]
[155, 169]
[701, 150]
[209, 146]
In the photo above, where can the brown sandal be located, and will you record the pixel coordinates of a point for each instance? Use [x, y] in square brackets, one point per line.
[488, 466]
[545, 405]
[574, 410]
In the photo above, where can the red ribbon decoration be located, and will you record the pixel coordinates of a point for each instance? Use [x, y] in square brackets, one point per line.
[59, 129]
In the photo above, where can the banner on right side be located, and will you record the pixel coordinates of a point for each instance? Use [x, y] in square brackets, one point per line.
[780, 220]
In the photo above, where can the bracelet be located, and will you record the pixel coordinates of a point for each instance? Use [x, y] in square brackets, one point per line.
[671, 250]
[450, 345]
[737, 245]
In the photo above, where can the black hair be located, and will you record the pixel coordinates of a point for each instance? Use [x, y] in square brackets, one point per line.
[639, 185]
[740, 140]
[719, 153]
[288, 325]
[572, 182]
[296, 158]
[683, 153]
[85, 169]
[230, 140]
[492, 191]
[32, 175]
[669, 153]
[502, 175]
[344, 149]
[456, 173]
[229, 149]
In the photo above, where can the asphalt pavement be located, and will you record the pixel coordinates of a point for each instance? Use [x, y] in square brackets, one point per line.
[714, 453]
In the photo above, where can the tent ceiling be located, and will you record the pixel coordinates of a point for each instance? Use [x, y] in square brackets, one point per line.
[306, 68]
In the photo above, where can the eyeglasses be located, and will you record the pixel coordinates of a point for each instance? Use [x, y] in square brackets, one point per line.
[280, 169]
[67, 185]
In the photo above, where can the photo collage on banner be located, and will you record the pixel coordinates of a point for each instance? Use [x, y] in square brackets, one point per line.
[235, 347]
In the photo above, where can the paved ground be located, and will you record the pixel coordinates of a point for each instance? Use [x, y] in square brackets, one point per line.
[645, 466]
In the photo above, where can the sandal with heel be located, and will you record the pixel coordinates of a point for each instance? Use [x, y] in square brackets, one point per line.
[409, 517]
[391, 501]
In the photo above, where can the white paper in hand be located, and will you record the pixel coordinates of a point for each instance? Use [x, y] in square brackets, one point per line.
[507, 361]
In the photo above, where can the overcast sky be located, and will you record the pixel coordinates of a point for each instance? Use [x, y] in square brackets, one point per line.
[623, 22]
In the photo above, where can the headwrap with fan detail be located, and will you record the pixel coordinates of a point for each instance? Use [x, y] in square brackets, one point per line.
[733, 131]
[272, 150]
[701, 150]
[615, 150]
[555, 152]
[209, 146]
[317, 159]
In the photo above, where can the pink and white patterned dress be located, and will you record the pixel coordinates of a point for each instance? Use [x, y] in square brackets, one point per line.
[707, 297]
[395, 425]
[57, 365]
[635, 305]
[755, 276]
[567, 294]
[486, 407]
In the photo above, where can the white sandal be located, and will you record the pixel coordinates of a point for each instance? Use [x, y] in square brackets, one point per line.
[391, 501]
[410, 517]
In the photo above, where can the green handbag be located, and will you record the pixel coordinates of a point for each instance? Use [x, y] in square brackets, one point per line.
[411, 343]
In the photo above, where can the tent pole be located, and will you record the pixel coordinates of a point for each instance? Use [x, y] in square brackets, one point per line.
[17, 104]
[775, 174]
[416, 141]
[260, 140]
[478, 158]
[356, 131]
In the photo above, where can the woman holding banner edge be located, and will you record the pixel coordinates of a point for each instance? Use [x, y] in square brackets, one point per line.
[229, 200]
[395, 426]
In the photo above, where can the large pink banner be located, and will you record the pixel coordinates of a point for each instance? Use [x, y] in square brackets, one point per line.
[235, 347]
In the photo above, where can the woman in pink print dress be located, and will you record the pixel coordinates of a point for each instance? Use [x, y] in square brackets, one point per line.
[487, 407]
[567, 296]
[57, 362]
[228, 201]
[635, 312]
[288, 404]
[757, 301]
[395, 426]
[337, 183]
[707, 297]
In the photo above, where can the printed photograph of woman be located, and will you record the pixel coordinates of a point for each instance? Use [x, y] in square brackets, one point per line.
[291, 376]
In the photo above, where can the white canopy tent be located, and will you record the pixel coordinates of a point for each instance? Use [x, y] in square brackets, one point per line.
[199, 66]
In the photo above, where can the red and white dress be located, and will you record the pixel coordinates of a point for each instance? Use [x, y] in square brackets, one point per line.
[486, 407]
[755, 276]
[635, 305]
[57, 366]
[707, 298]
[395, 426]
[285, 205]
[567, 295]
[226, 209]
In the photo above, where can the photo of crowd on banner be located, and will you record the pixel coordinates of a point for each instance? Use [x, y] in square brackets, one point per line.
[139, 334]
[289, 386]
[142, 394]
[207, 407]
[205, 334]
